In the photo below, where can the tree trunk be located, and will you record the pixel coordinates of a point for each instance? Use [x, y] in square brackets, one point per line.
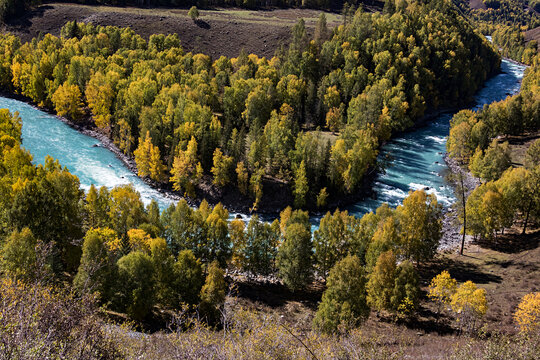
[527, 217]
[464, 212]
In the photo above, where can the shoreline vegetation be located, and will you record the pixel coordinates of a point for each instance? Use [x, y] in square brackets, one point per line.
[99, 274]
[246, 131]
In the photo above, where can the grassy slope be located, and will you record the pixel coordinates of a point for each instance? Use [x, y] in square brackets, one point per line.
[217, 32]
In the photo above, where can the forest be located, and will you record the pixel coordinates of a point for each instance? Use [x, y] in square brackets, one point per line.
[311, 118]
[477, 140]
[506, 21]
[98, 271]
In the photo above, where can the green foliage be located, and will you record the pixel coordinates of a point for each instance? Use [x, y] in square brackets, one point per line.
[177, 110]
[213, 293]
[420, 225]
[493, 163]
[380, 286]
[343, 304]
[18, 257]
[98, 272]
[193, 13]
[188, 278]
[136, 284]
[294, 256]
[126, 210]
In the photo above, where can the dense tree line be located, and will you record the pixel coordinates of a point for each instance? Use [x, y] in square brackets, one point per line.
[476, 138]
[10, 8]
[504, 12]
[134, 258]
[512, 42]
[188, 118]
[506, 21]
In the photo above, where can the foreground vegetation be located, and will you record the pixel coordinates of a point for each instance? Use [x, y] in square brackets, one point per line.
[70, 260]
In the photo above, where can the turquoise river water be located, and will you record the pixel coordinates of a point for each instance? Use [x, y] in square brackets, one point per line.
[416, 156]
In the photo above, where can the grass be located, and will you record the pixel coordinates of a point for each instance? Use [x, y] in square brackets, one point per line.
[278, 17]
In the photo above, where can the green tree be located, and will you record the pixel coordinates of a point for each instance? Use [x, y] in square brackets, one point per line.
[97, 207]
[405, 293]
[301, 187]
[213, 293]
[294, 257]
[98, 272]
[193, 13]
[343, 304]
[222, 168]
[380, 286]
[137, 284]
[18, 256]
[261, 240]
[126, 209]
[189, 278]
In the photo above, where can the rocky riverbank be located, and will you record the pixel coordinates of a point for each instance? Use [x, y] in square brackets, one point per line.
[452, 236]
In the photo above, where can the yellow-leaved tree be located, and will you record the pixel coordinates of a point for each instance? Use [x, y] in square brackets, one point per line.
[148, 160]
[527, 314]
[186, 169]
[470, 304]
[442, 288]
[67, 101]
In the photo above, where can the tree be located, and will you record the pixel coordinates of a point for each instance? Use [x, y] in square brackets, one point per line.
[294, 257]
[148, 160]
[98, 272]
[67, 101]
[469, 303]
[334, 120]
[381, 282]
[493, 163]
[261, 240]
[186, 170]
[343, 304]
[256, 187]
[238, 239]
[532, 157]
[18, 256]
[441, 289]
[193, 13]
[126, 209]
[332, 240]
[301, 187]
[405, 293]
[164, 275]
[136, 279]
[222, 167]
[420, 220]
[213, 293]
[97, 207]
[527, 314]
[242, 177]
[189, 278]
[322, 198]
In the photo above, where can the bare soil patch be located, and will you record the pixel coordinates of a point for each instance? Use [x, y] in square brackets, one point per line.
[533, 34]
[477, 5]
[216, 32]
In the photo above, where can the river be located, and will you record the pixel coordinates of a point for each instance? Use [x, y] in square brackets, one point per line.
[416, 156]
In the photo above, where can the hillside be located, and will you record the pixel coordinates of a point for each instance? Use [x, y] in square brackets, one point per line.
[217, 32]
